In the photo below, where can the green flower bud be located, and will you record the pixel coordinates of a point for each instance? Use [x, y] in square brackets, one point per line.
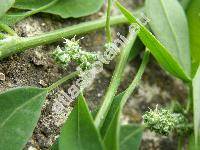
[73, 52]
[164, 121]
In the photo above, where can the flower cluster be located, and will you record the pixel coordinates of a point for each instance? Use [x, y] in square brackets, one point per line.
[164, 121]
[73, 52]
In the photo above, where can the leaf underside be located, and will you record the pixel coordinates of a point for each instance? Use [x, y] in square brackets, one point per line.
[161, 54]
[169, 24]
[194, 29]
[63, 8]
[5, 5]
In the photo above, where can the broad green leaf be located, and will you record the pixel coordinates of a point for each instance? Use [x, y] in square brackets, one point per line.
[12, 18]
[196, 105]
[63, 8]
[169, 24]
[130, 137]
[162, 55]
[5, 5]
[19, 112]
[79, 132]
[194, 24]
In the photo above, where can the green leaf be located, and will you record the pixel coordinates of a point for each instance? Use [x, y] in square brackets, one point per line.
[194, 24]
[126, 137]
[136, 49]
[162, 55]
[169, 24]
[19, 112]
[79, 132]
[5, 5]
[111, 113]
[110, 130]
[130, 137]
[185, 3]
[12, 18]
[111, 127]
[63, 8]
[192, 145]
[111, 139]
[196, 105]
[55, 146]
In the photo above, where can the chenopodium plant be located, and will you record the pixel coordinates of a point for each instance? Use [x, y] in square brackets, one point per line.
[82, 130]
[162, 121]
[81, 123]
[21, 107]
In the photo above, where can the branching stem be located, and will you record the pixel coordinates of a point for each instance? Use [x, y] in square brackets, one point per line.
[115, 82]
[21, 44]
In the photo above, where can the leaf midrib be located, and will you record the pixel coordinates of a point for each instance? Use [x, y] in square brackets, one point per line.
[130, 135]
[173, 33]
[18, 108]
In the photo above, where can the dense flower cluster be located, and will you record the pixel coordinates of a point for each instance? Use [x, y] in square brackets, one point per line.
[72, 52]
[163, 121]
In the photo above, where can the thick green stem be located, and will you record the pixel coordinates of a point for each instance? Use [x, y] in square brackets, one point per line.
[108, 32]
[62, 80]
[71, 31]
[115, 82]
[20, 44]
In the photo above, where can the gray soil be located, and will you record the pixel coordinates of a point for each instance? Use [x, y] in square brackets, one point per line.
[35, 67]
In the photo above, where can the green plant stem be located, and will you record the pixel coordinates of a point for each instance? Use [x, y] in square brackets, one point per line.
[21, 44]
[62, 80]
[180, 142]
[32, 12]
[115, 82]
[7, 29]
[190, 99]
[108, 32]
[136, 80]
